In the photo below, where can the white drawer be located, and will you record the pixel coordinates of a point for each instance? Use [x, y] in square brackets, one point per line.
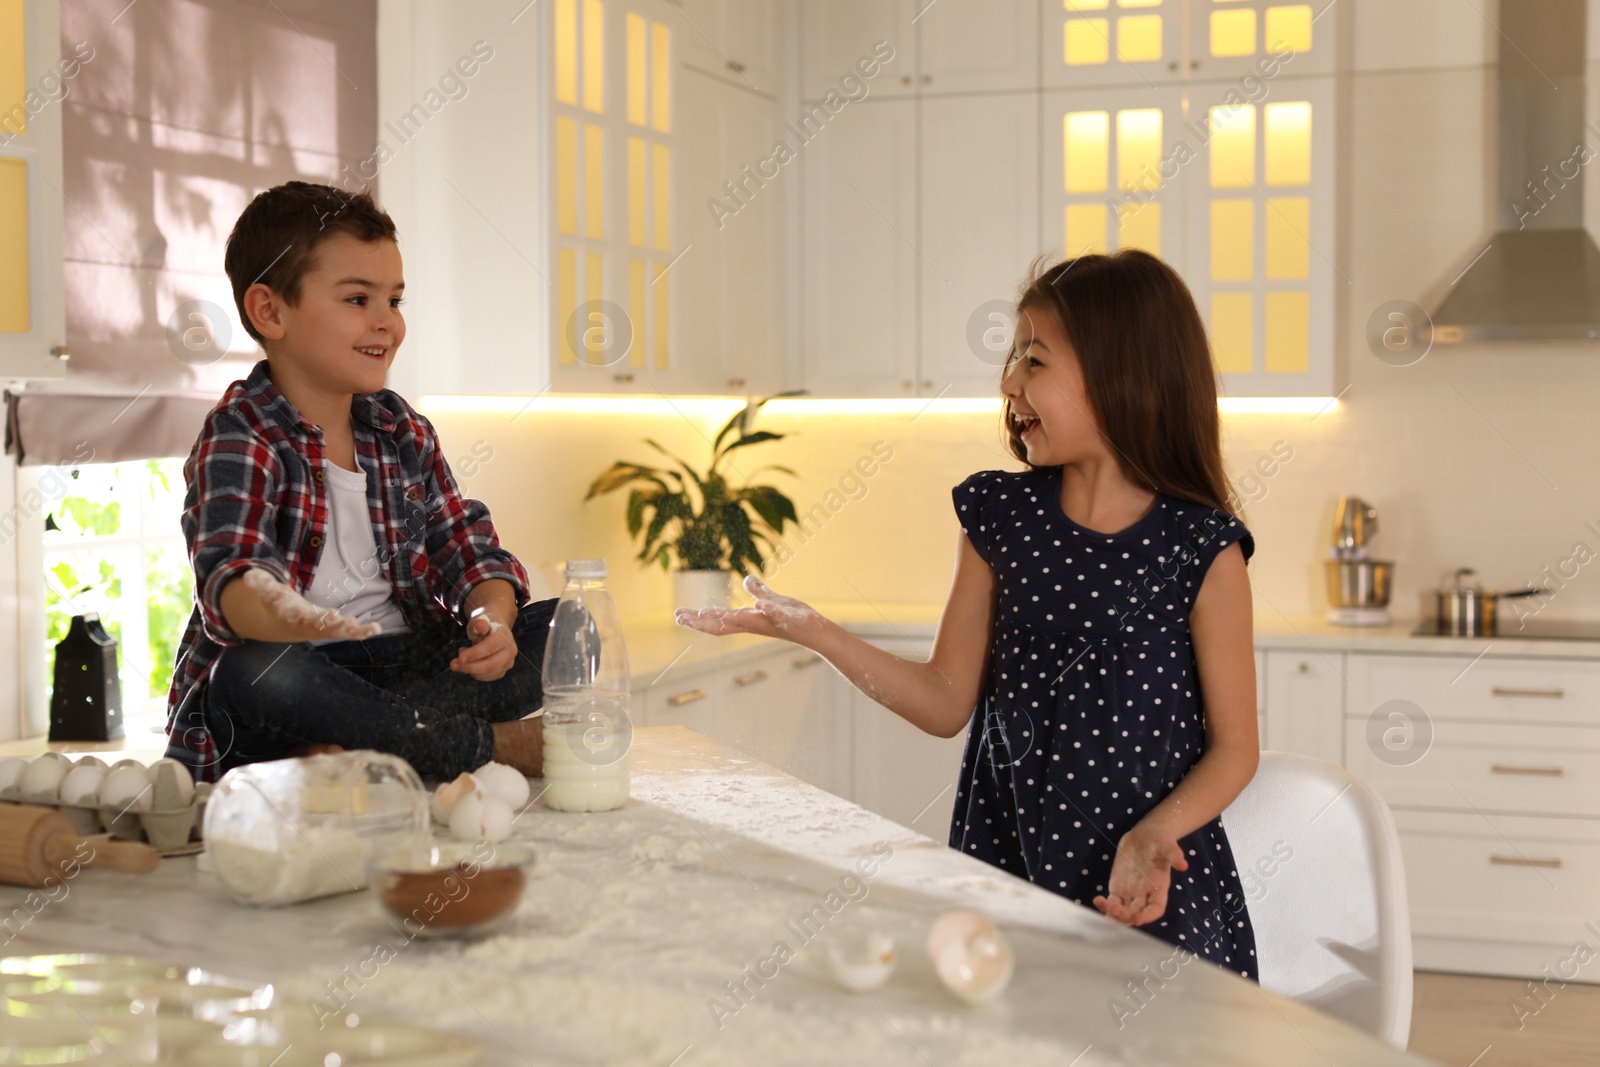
[1490, 689]
[1502, 878]
[1468, 766]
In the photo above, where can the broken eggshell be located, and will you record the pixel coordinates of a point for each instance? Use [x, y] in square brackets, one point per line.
[860, 958]
[503, 782]
[970, 955]
[448, 794]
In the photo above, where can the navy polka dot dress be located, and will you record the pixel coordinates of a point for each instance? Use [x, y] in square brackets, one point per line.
[1091, 713]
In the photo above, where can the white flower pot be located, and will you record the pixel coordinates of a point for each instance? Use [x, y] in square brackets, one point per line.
[701, 589]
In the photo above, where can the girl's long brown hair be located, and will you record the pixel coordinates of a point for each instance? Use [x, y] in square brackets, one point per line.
[1146, 368]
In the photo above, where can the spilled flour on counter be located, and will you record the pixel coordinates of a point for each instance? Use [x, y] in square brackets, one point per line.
[583, 974]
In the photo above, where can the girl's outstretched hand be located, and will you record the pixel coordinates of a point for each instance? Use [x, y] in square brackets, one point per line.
[1141, 875]
[770, 616]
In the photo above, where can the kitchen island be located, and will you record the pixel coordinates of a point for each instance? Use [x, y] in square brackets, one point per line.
[651, 934]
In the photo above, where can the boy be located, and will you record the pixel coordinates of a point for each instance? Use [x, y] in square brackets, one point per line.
[346, 594]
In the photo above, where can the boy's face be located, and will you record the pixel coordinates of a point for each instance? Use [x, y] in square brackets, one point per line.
[344, 331]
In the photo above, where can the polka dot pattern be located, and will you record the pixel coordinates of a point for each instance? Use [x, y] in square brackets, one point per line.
[1091, 713]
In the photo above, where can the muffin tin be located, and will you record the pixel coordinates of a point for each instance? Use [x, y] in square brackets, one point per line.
[171, 825]
[131, 1011]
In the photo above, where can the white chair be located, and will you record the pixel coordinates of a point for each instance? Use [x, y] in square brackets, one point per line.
[1325, 886]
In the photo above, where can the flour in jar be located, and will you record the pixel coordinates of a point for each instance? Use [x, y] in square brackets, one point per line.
[310, 861]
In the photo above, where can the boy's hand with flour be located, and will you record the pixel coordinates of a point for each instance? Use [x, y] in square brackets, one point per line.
[1095, 645]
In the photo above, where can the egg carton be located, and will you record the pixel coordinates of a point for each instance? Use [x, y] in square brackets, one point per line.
[169, 820]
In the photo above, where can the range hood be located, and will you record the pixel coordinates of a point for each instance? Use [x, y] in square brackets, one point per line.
[1537, 278]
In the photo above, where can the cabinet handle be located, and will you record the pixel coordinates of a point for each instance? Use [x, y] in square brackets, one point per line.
[736, 66]
[907, 384]
[1548, 772]
[905, 79]
[1173, 66]
[1303, 667]
[1520, 861]
[622, 377]
[687, 698]
[927, 78]
[735, 383]
[1508, 691]
[805, 661]
[750, 679]
[61, 352]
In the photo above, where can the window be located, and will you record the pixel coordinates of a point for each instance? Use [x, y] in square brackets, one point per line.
[113, 546]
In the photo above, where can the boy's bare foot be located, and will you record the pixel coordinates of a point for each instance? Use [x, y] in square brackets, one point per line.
[520, 744]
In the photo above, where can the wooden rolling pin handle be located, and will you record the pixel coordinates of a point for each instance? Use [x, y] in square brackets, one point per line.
[129, 857]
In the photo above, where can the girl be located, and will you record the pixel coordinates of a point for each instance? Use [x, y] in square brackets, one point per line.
[1096, 643]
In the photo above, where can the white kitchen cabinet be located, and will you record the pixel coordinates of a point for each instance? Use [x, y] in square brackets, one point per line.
[979, 231]
[1488, 764]
[737, 41]
[902, 773]
[33, 328]
[1305, 703]
[1102, 43]
[728, 281]
[967, 46]
[860, 260]
[778, 708]
[836, 35]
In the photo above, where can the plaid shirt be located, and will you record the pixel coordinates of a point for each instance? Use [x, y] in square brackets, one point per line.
[256, 498]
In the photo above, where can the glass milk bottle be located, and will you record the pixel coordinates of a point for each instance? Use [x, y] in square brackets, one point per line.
[587, 729]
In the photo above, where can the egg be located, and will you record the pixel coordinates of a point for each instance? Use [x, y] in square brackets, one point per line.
[81, 784]
[477, 817]
[860, 958]
[11, 769]
[174, 785]
[506, 783]
[126, 786]
[970, 955]
[42, 777]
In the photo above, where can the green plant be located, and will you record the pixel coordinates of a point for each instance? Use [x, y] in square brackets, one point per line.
[719, 533]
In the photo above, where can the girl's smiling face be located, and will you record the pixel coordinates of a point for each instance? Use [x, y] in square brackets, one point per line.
[1044, 388]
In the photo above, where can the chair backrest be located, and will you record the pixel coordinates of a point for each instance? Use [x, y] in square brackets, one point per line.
[1325, 886]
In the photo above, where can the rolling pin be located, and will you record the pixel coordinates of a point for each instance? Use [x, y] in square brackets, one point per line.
[38, 843]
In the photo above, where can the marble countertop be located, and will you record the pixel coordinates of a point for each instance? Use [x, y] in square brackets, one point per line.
[649, 935]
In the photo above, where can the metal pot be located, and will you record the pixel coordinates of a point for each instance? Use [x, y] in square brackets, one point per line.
[1358, 583]
[1465, 609]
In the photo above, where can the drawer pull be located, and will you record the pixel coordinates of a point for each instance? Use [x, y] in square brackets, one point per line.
[1508, 691]
[1519, 861]
[805, 661]
[1548, 772]
[687, 698]
[750, 679]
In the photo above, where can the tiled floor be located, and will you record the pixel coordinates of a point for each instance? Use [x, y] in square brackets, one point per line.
[1461, 1020]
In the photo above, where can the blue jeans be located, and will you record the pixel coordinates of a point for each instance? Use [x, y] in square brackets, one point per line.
[394, 693]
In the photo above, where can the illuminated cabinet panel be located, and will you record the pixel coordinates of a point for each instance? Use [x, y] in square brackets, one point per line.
[615, 198]
[1110, 177]
[1260, 203]
[1238, 40]
[32, 310]
[1112, 42]
[860, 271]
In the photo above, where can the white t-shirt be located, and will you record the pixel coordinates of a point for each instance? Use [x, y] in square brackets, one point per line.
[348, 577]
